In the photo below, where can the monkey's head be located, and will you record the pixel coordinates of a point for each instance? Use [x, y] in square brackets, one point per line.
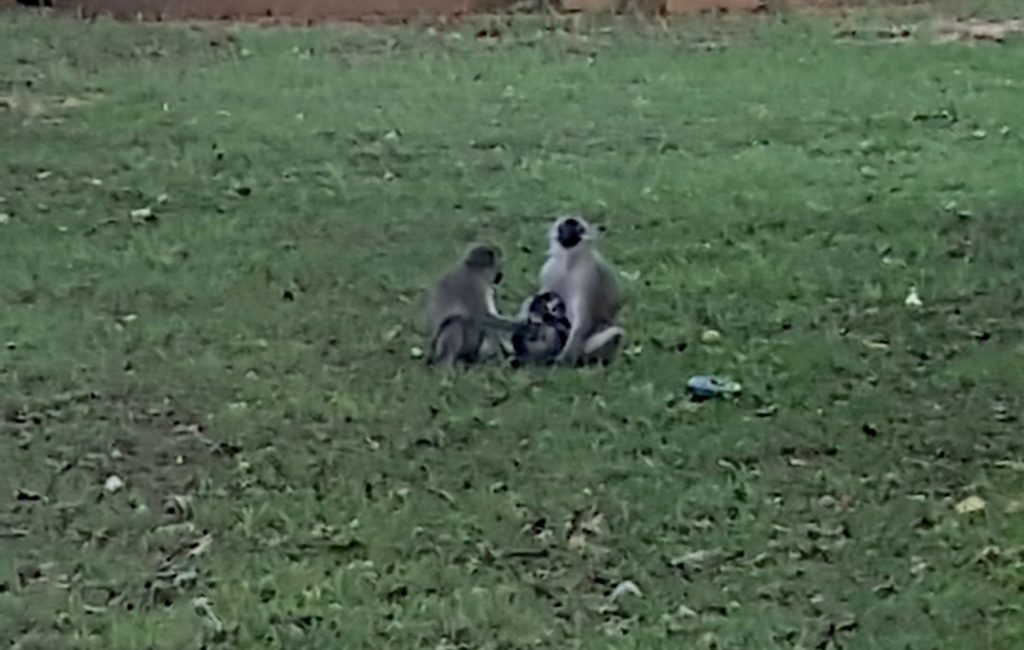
[485, 259]
[549, 306]
[570, 231]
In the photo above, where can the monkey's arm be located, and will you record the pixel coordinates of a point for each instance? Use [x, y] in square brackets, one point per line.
[573, 349]
[499, 323]
[580, 324]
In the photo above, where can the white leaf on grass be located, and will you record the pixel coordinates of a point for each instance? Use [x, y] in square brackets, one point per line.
[113, 484]
[627, 588]
[970, 504]
[913, 300]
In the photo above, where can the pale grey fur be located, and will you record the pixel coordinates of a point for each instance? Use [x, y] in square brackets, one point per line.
[462, 317]
[589, 286]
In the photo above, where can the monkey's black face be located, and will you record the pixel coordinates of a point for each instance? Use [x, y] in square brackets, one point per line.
[571, 232]
[548, 309]
[497, 277]
[552, 306]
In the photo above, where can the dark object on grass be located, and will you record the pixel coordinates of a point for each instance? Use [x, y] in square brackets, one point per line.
[702, 387]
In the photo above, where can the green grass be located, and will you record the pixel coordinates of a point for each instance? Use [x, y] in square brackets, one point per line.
[241, 357]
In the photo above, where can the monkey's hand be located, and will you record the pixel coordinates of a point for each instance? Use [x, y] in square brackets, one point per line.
[573, 348]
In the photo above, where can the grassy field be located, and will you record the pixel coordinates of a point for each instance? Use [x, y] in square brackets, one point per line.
[213, 255]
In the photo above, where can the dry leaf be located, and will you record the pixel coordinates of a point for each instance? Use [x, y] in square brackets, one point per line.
[577, 541]
[13, 533]
[593, 524]
[970, 504]
[201, 546]
[990, 32]
[685, 612]
[711, 336]
[204, 609]
[693, 559]
[392, 334]
[976, 30]
[875, 345]
[28, 495]
[913, 300]
[178, 505]
[582, 528]
[113, 484]
[625, 588]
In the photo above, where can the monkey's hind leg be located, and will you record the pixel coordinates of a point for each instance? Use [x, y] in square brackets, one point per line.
[445, 346]
[603, 346]
[456, 341]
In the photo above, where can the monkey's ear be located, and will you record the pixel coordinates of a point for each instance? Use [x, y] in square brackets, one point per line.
[495, 252]
[482, 256]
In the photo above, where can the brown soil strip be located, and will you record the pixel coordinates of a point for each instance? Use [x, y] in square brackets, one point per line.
[313, 11]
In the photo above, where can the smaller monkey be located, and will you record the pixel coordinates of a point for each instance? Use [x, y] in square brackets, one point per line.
[462, 316]
[544, 331]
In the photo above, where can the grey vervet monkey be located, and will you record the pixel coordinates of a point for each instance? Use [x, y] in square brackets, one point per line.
[577, 272]
[463, 320]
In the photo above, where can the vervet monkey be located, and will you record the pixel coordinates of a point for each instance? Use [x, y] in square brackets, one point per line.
[462, 316]
[577, 272]
[544, 330]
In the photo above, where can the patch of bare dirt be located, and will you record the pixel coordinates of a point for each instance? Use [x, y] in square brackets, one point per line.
[309, 11]
[48, 107]
[977, 30]
[162, 454]
[312, 11]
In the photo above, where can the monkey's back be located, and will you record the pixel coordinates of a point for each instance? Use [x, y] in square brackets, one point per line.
[458, 293]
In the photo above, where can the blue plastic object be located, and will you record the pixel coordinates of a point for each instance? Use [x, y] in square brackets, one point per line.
[708, 386]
